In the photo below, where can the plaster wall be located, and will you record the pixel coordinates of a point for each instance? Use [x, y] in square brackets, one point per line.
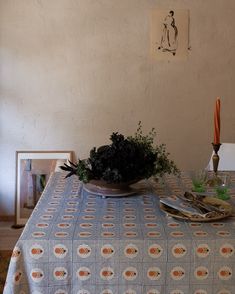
[73, 71]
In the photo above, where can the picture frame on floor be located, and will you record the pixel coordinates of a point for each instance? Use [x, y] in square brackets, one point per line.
[33, 169]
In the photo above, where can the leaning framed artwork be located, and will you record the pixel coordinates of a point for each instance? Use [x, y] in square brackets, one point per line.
[33, 169]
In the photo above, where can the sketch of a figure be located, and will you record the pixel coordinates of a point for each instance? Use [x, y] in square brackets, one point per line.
[169, 37]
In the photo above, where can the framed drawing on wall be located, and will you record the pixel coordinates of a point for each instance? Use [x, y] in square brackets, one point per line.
[169, 34]
[33, 169]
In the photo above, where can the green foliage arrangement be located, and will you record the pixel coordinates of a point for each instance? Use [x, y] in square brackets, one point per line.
[124, 160]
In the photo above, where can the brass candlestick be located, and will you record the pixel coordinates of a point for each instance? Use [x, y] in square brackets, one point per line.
[215, 181]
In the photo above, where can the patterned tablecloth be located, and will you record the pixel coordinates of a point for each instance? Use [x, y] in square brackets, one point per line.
[76, 242]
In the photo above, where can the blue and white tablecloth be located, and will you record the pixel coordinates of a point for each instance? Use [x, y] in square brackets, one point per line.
[76, 242]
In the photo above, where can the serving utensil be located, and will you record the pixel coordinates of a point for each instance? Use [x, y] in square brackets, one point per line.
[196, 201]
[210, 215]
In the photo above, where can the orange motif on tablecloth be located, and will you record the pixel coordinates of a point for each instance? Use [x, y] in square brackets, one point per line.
[155, 251]
[71, 210]
[60, 250]
[226, 250]
[200, 234]
[129, 225]
[60, 273]
[225, 273]
[42, 225]
[51, 209]
[36, 251]
[54, 203]
[63, 225]
[107, 250]
[38, 234]
[57, 197]
[177, 273]
[130, 273]
[195, 225]
[72, 203]
[109, 209]
[61, 234]
[130, 234]
[131, 251]
[128, 203]
[223, 233]
[154, 273]
[90, 210]
[86, 225]
[85, 234]
[108, 234]
[16, 254]
[68, 217]
[149, 210]
[173, 225]
[129, 217]
[177, 234]
[37, 275]
[88, 217]
[217, 225]
[151, 225]
[83, 273]
[108, 225]
[202, 250]
[106, 273]
[150, 217]
[74, 196]
[84, 251]
[154, 234]
[179, 250]
[201, 273]
[108, 217]
[17, 277]
[91, 203]
[46, 216]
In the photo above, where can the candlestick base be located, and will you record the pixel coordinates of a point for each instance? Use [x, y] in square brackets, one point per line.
[215, 180]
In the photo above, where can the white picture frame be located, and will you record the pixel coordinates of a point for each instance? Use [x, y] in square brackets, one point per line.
[33, 169]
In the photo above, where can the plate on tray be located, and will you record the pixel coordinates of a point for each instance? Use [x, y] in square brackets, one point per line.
[218, 203]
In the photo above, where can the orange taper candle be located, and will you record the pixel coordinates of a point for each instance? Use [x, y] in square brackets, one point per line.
[217, 122]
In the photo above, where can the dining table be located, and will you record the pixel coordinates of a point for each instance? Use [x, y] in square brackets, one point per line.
[78, 242]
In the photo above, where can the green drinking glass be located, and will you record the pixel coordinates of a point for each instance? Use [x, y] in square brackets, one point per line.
[199, 180]
[222, 190]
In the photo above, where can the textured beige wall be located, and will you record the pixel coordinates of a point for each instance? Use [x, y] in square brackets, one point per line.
[73, 71]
